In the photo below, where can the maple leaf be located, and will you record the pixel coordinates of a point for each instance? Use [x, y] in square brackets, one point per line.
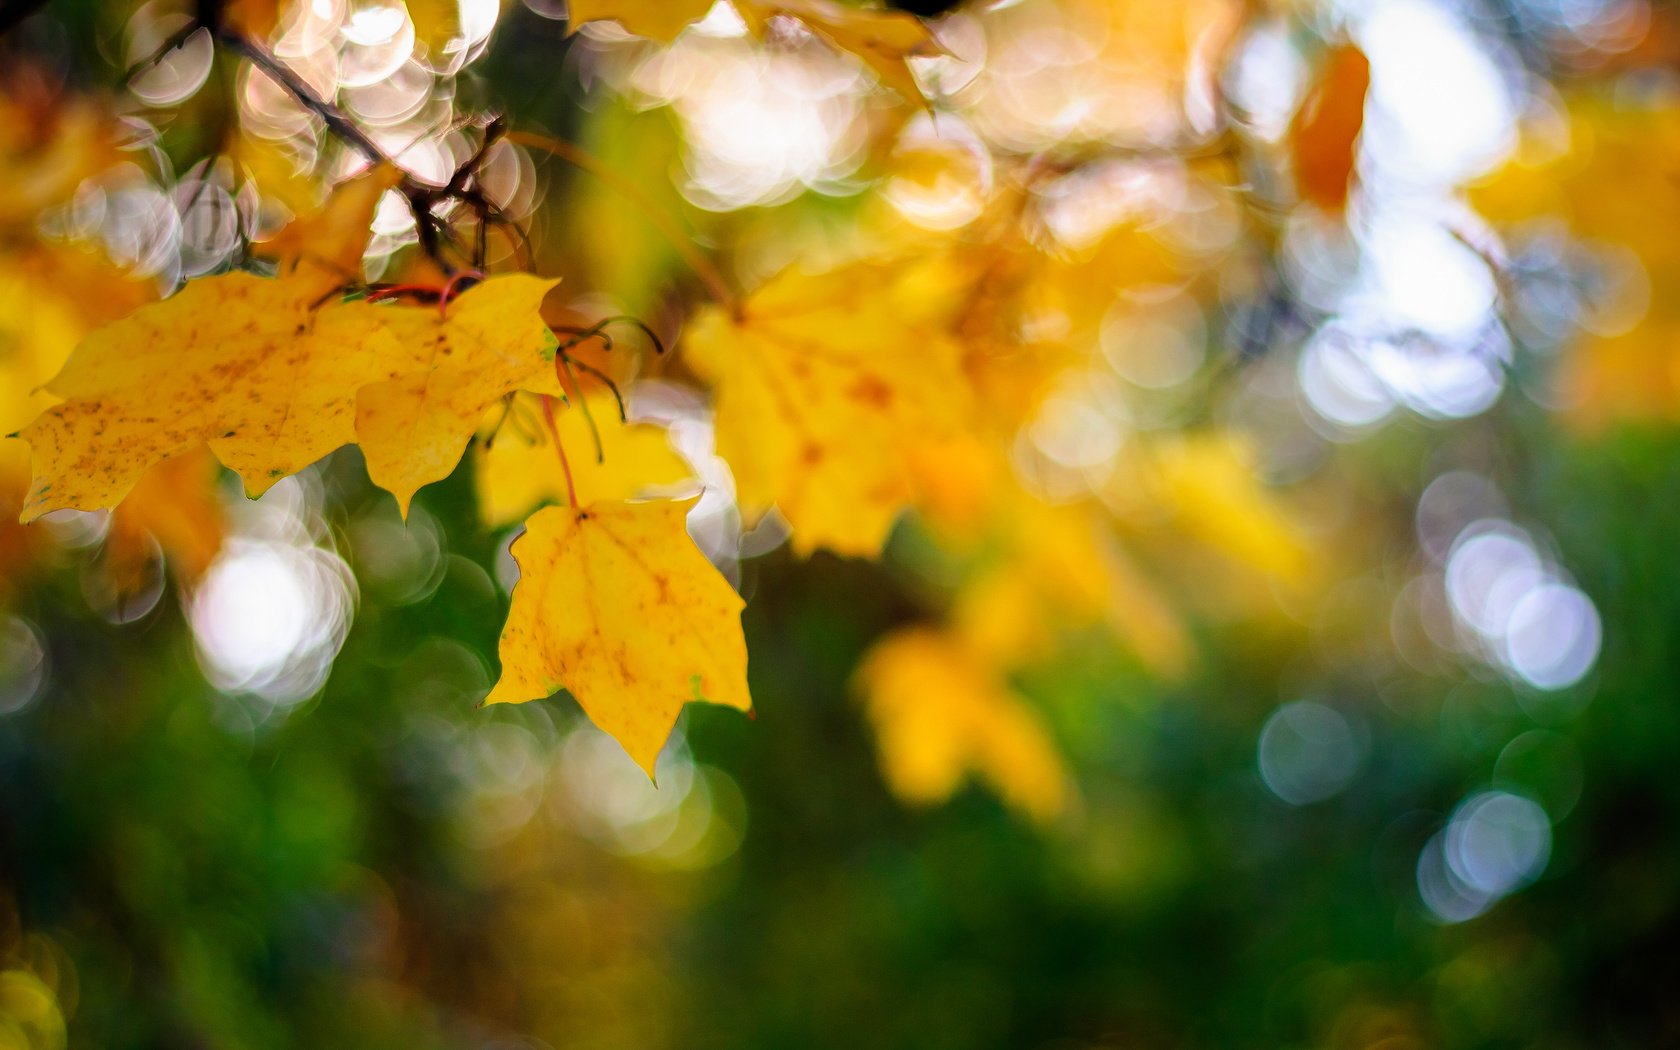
[823, 382]
[38, 330]
[884, 40]
[617, 605]
[515, 473]
[490, 340]
[1324, 137]
[940, 713]
[244, 364]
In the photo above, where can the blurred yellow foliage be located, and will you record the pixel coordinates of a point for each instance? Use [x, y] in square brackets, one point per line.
[1207, 484]
[822, 383]
[30, 1018]
[47, 149]
[1609, 172]
[323, 250]
[1056, 568]
[941, 715]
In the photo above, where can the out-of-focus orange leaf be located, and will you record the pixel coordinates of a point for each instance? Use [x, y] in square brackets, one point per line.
[47, 149]
[175, 503]
[1324, 138]
[255, 19]
[20, 545]
[617, 605]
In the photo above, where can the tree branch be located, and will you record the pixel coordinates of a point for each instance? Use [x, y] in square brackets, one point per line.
[421, 197]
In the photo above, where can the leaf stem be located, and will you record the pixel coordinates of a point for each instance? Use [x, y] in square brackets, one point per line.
[581, 158]
[560, 450]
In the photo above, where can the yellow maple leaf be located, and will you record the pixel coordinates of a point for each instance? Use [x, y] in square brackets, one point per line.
[490, 341]
[941, 713]
[518, 472]
[236, 361]
[617, 605]
[823, 383]
[37, 332]
[48, 299]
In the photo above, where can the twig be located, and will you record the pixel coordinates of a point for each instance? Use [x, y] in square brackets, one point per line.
[339, 124]
[421, 197]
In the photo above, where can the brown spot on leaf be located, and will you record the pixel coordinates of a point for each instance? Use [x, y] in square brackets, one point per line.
[870, 390]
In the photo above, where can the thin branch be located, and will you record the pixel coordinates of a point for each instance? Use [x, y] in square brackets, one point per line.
[174, 40]
[421, 197]
[339, 124]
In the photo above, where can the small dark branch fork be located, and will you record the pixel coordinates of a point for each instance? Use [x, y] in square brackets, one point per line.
[422, 199]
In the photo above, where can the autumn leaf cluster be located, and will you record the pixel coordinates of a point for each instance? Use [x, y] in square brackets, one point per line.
[900, 382]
